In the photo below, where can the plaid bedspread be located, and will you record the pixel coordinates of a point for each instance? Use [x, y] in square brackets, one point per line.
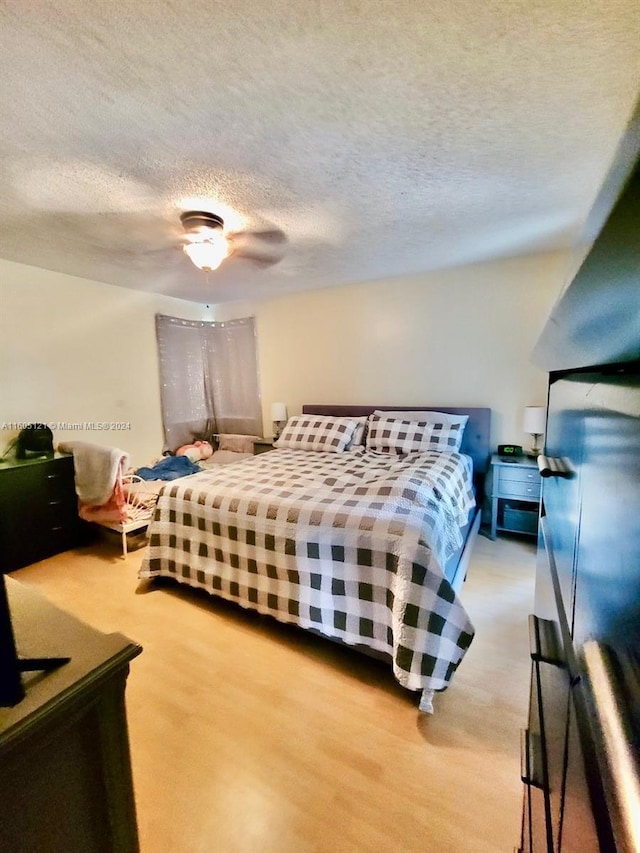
[349, 544]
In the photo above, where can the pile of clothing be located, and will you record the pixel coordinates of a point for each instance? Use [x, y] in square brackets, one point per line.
[169, 468]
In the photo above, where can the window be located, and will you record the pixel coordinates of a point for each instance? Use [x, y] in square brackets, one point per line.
[208, 379]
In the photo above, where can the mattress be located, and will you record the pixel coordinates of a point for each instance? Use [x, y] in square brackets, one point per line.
[351, 545]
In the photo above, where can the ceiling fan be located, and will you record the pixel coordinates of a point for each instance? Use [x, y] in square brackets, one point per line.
[207, 244]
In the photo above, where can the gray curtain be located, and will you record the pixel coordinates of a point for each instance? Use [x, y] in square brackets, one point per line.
[208, 379]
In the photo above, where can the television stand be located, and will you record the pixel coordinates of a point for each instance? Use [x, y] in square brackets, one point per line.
[64, 750]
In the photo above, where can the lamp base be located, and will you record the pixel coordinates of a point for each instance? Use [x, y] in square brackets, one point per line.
[536, 450]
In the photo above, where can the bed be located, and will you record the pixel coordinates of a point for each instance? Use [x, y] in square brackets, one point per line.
[364, 547]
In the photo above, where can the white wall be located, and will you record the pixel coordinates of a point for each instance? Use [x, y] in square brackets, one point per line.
[459, 336]
[73, 350]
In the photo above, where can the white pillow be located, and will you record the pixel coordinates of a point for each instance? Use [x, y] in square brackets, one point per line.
[392, 435]
[317, 432]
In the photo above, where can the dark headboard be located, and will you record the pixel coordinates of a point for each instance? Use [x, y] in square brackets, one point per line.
[475, 441]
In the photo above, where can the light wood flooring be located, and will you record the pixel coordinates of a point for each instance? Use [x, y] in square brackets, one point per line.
[248, 736]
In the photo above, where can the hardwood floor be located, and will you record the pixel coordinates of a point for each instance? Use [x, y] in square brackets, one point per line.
[252, 737]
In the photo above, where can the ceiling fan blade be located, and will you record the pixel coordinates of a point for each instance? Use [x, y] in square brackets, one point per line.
[273, 235]
[257, 258]
[155, 259]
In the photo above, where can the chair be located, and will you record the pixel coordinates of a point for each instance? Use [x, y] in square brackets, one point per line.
[138, 508]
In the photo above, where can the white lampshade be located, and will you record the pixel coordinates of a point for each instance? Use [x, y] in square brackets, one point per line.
[278, 412]
[534, 420]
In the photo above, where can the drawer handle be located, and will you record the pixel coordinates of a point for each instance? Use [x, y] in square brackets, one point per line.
[567, 640]
[531, 759]
[57, 527]
[545, 642]
[54, 503]
[552, 466]
[53, 476]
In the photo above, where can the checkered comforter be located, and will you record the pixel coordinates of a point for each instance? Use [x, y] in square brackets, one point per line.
[349, 544]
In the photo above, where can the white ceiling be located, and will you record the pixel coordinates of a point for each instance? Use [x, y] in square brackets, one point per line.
[385, 138]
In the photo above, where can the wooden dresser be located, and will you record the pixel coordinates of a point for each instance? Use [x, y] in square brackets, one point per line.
[38, 510]
[580, 755]
[65, 785]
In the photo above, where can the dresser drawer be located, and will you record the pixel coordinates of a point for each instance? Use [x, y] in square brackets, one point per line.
[56, 484]
[57, 517]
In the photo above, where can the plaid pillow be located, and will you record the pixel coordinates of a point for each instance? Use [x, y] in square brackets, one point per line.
[431, 416]
[317, 432]
[392, 435]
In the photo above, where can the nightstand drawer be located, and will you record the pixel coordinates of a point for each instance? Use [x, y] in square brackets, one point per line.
[509, 473]
[262, 445]
[516, 489]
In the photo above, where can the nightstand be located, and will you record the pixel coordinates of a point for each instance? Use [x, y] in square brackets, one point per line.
[261, 445]
[515, 495]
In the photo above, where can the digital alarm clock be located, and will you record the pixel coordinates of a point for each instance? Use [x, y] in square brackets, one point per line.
[509, 452]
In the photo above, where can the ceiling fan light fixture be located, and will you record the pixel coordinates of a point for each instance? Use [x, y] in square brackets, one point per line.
[207, 244]
[207, 253]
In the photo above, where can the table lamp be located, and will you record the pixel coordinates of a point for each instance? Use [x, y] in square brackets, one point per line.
[534, 422]
[279, 417]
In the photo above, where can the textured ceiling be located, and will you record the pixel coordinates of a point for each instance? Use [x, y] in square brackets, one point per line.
[384, 138]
